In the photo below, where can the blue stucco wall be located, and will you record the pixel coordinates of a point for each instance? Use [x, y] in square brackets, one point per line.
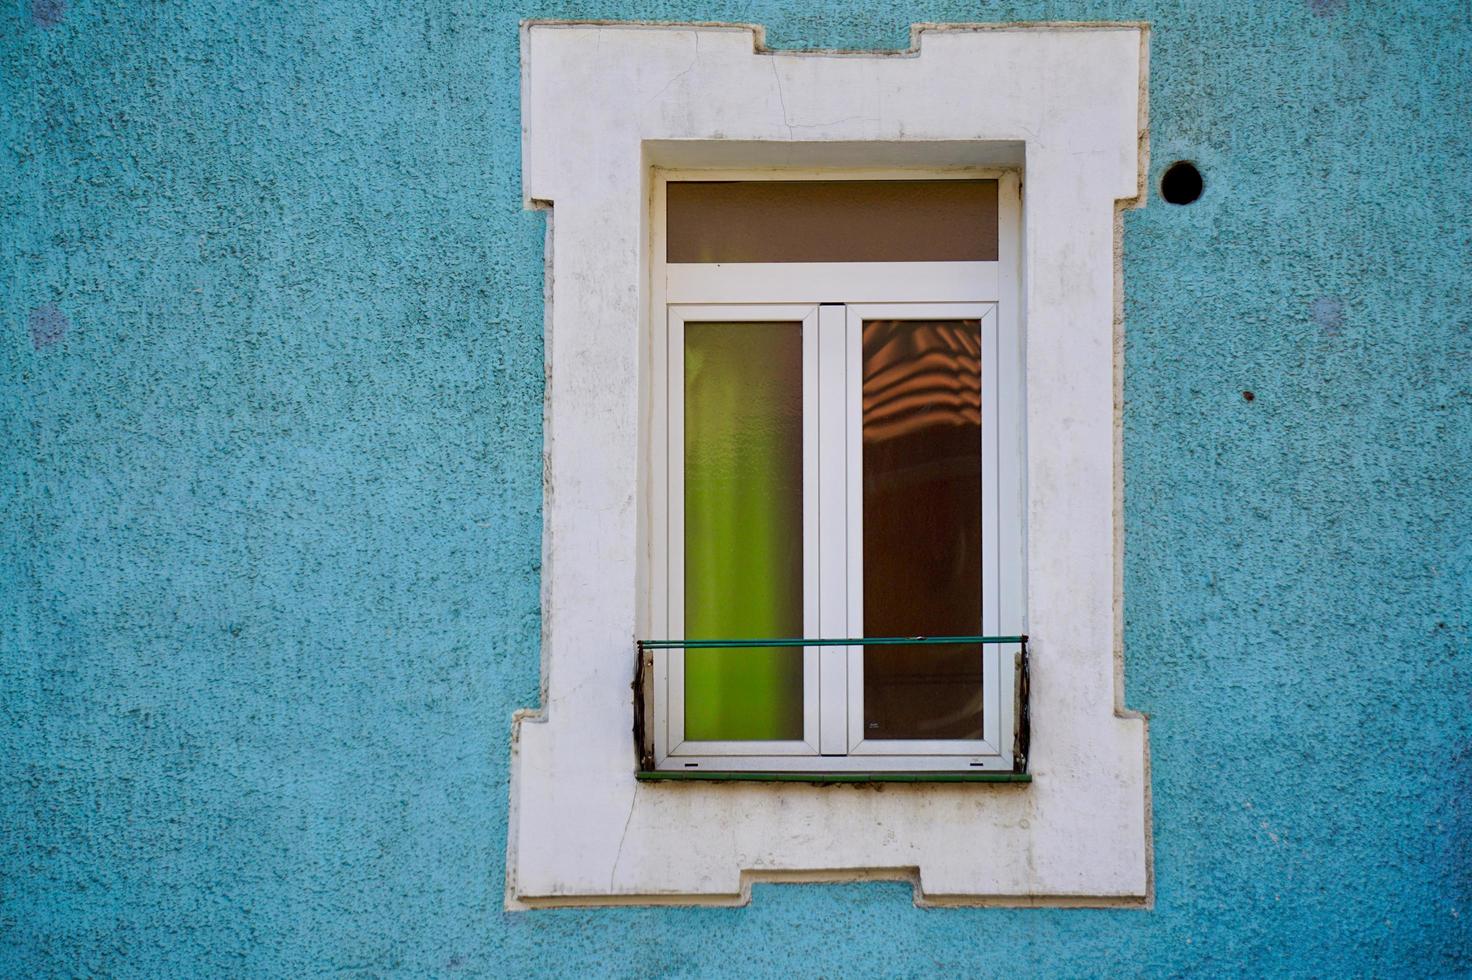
[270, 368]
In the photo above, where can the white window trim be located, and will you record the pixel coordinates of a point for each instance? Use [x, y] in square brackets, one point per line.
[602, 106]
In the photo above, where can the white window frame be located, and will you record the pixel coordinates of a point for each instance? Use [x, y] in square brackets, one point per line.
[671, 747]
[994, 750]
[833, 686]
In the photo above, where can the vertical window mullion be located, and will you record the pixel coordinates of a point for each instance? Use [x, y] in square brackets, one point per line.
[853, 418]
[675, 516]
[991, 530]
[811, 493]
[833, 619]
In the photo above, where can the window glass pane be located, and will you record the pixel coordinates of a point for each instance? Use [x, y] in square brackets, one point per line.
[922, 526]
[832, 221]
[743, 528]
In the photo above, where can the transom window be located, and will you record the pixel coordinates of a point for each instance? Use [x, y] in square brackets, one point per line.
[835, 454]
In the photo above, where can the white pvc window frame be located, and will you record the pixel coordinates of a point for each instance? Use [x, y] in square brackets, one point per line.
[831, 301]
[997, 686]
[670, 668]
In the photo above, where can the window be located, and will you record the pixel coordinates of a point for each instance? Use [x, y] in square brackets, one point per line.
[836, 455]
[612, 114]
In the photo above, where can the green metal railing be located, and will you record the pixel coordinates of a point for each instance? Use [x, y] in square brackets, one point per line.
[871, 641]
[1022, 735]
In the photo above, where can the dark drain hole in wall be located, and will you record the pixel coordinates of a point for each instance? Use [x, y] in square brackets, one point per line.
[1182, 183]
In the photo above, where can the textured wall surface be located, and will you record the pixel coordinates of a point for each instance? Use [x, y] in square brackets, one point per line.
[270, 369]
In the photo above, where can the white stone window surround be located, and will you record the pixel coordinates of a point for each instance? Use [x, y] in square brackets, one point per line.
[603, 104]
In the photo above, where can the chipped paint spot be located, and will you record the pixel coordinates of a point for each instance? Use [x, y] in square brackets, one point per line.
[47, 13]
[48, 325]
[1328, 315]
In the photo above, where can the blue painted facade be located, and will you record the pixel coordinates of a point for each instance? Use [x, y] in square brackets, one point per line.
[270, 369]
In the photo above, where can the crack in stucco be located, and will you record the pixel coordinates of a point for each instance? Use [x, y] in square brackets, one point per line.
[781, 98]
[695, 60]
[622, 837]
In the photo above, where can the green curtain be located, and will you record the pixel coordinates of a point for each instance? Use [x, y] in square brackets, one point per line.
[743, 528]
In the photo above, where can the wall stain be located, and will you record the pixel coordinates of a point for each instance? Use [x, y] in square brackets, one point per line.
[48, 325]
[47, 13]
[1328, 315]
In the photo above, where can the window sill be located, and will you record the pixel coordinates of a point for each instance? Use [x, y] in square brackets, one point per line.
[824, 778]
